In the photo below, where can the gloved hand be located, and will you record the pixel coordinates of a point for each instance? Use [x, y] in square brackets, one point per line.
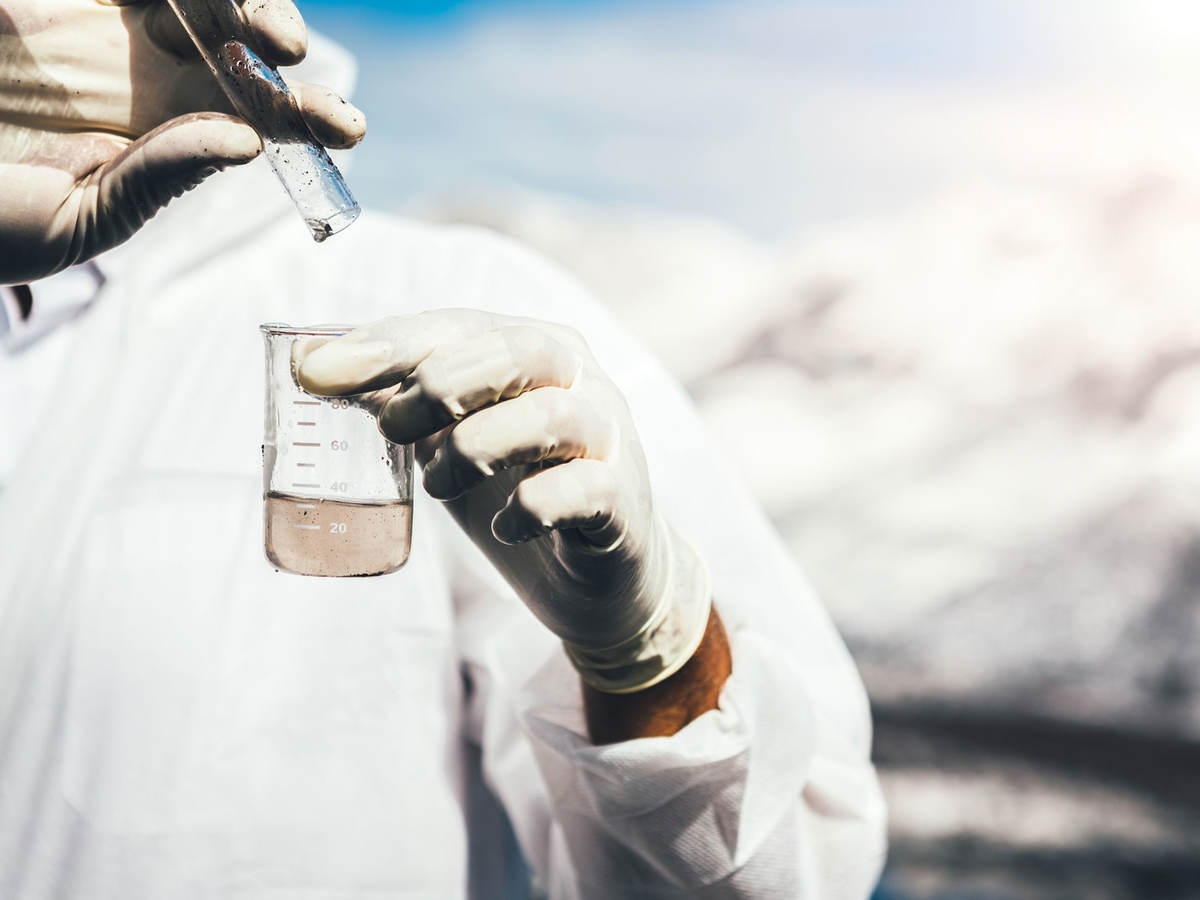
[107, 112]
[533, 450]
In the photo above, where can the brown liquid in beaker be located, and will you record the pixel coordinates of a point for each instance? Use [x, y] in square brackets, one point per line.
[330, 537]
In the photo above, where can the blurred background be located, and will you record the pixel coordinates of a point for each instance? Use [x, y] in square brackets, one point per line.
[930, 270]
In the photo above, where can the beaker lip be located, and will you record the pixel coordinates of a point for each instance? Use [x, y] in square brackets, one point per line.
[320, 330]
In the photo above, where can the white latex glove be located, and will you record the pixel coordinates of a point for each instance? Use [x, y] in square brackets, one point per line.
[107, 112]
[533, 450]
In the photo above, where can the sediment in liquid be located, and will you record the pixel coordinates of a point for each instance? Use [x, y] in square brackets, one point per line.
[334, 538]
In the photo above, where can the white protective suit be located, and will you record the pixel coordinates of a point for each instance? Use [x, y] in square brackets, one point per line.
[179, 720]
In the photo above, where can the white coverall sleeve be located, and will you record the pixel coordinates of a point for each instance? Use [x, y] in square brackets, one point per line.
[772, 795]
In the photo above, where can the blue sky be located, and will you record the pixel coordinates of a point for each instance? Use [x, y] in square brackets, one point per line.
[984, 33]
[442, 11]
[773, 115]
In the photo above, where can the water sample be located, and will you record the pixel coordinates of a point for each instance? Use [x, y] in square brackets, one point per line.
[334, 538]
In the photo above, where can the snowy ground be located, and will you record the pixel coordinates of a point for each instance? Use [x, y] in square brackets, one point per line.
[978, 425]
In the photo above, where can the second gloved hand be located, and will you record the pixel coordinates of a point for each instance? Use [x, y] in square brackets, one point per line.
[107, 112]
[532, 448]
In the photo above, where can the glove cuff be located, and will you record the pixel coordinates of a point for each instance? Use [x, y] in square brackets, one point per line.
[669, 638]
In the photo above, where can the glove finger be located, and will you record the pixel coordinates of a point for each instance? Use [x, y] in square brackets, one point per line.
[333, 121]
[426, 448]
[167, 32]
[457, 379]
[383, 352]
[155, 169]
[582, 493]
[279, 33]
[544, 425]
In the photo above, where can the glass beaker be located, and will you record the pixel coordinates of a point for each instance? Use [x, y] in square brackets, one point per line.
[337, 494]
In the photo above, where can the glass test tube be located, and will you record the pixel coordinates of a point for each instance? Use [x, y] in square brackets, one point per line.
[262, 98]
